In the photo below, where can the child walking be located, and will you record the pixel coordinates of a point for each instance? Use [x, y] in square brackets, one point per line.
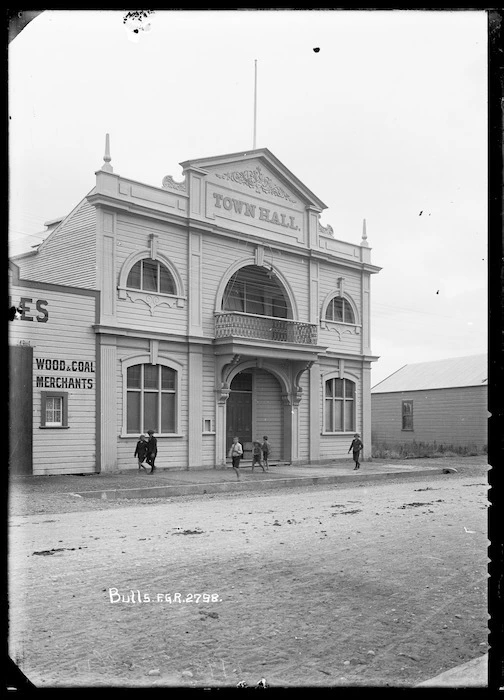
[356, 448]
[141, 452]
[256, 455]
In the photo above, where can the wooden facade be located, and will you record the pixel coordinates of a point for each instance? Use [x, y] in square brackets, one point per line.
[213, 298]
[52, 367]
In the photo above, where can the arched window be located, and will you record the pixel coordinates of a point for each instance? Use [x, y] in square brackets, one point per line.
[151, 399]
[151, 276]
[255, 290]
[339, 309]
[339, 405]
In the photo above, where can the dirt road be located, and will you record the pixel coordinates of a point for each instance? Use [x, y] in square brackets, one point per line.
[378, 584]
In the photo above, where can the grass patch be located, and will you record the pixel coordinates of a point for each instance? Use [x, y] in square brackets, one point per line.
[412, 450]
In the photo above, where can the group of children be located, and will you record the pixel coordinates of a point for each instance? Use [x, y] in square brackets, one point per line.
[146, 451]
[260, 454]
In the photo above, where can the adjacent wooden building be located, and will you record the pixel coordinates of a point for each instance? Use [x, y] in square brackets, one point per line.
[211, 307]
[443, 401]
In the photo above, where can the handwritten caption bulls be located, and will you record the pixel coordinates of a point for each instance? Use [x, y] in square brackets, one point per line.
[137, 596]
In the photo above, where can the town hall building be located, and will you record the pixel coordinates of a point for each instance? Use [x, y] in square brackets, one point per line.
[201, 309]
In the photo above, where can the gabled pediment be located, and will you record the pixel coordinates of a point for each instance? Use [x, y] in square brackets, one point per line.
[259, 172]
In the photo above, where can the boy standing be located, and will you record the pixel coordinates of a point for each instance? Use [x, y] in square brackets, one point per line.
[256, 455]
[236, 453]
[356, 447]
[265, 447]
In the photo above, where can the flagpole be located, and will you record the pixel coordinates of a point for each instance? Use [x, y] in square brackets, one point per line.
[255, 101]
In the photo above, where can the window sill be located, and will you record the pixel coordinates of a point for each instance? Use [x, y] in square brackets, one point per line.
[54, 427]
[407, 430]
[342, 432]
[340, 323]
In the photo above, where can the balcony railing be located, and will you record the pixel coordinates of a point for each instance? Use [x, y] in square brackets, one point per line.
[281, 330]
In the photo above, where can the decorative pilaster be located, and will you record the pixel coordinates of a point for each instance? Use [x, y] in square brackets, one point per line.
[314, 291]
[221, 395]
[195, 374]
[108, 404]
[366, 409]
[106, 271]
[195, 283]
[315, 417]
[365, 313]
[313, 215]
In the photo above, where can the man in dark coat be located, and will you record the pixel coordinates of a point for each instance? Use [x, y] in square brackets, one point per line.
[151, 450]
[356, 448]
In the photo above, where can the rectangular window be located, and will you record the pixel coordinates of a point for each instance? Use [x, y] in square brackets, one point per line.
[54, 409]
[151, 399]
[339, 406]
[207, 425]
[407, 415]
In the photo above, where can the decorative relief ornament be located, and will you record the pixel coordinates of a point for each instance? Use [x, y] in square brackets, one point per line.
[326, 230]
[341, 330]
[170, 184]
[255, 179]
[154, 301]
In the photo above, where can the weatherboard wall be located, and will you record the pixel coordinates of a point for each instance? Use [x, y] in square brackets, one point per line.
[68, 255]
[456, 416]
[64, 363]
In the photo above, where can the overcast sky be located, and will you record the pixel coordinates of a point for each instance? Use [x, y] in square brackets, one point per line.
[387, 122]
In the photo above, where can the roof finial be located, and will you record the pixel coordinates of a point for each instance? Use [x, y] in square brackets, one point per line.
[106, 158]
[364, 234]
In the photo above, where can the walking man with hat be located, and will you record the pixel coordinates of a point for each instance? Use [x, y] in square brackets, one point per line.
[356, 448]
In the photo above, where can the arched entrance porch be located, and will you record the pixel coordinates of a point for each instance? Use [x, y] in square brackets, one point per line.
[255, 408]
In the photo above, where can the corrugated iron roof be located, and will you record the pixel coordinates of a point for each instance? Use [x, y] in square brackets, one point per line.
[437, 374]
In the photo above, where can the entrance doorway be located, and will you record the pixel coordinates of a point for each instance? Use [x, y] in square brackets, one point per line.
[254, 409]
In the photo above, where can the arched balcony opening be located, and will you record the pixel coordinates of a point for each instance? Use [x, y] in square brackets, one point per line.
[255, 305]
[255, 290]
